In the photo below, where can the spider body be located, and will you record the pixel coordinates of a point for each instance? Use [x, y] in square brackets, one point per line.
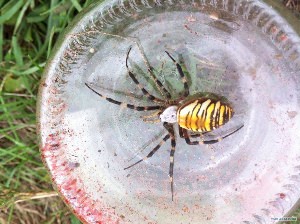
[200, 113]
[203, 114]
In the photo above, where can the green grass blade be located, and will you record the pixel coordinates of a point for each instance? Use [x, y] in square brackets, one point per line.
[9, 10]
[21, 16]
[1, 42]
[17, 51]
[76, 5]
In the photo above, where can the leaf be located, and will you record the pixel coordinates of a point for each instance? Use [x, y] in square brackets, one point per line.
[15, 84]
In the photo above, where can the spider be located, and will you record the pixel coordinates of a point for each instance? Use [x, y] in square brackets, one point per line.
[195, 115]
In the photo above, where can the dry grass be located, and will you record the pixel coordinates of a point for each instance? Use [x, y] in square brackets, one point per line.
[292, 4]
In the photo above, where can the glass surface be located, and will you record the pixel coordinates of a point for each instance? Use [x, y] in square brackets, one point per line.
[242, 50]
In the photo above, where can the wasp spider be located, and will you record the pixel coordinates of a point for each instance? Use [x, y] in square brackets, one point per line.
[193, 113]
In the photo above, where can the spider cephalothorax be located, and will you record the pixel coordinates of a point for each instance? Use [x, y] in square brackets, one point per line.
[200, 113]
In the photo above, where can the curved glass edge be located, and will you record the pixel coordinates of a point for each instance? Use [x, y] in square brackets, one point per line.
[294, 22]
[286, 13]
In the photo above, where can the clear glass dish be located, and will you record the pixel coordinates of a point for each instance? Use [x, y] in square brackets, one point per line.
[243, 50]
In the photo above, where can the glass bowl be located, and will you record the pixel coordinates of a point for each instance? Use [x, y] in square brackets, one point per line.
[242, 50]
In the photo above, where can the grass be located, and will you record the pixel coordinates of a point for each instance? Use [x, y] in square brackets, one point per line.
[28, 31]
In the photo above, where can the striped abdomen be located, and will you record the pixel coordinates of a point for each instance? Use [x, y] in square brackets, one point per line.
[203, 114]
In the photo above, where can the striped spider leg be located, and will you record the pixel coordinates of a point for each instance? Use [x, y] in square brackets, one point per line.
[171, 135]
[182, 76]
[144, 91]
[183, 133]
[130, 106]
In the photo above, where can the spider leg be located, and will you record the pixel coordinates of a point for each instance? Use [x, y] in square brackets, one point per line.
[152, 152]
[182, 75]
[130, 106]
[145, 92]
[151, 121]
[159, 85]
[170, 129]
[155, 114]
[180, 131]
[194, 135]
[188, 141]
[191, 135]
[152, 118]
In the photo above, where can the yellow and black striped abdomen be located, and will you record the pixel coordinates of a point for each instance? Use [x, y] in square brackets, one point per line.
[203, 114]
